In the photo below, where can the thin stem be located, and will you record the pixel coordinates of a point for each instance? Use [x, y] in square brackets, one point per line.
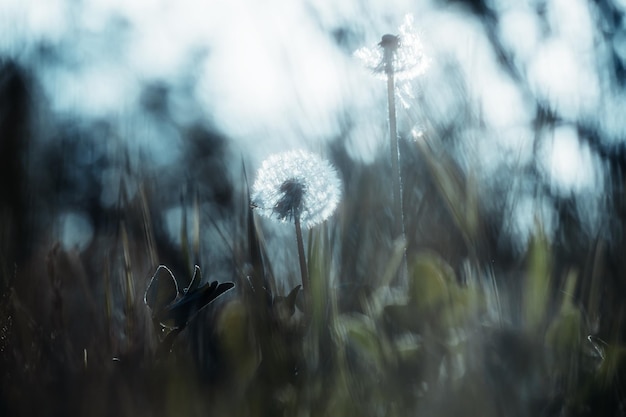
[303, 268]
[396, 175]
[395, 153]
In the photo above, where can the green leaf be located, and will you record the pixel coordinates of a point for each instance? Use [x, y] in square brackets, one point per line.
[537, 283]
[429, 280]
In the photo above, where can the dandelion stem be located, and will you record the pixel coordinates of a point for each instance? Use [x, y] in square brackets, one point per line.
[389, 44]
[395, 153]
[303, 267]
[303, 271]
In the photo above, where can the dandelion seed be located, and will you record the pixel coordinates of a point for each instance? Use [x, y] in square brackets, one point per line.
[401, 54]
[418, 132]
[296, 184]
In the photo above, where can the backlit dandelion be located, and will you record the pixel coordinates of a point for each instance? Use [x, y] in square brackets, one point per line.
[402, 54]
[396, 57]
[298, 187]
[296, 184]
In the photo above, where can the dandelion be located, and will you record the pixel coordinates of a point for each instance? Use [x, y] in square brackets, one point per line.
[298, 187]
[402, 54]
[402, 57]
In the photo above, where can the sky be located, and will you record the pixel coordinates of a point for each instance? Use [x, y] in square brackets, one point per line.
[279, 75]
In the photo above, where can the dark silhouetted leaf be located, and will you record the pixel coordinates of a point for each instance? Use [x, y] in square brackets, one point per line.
[178, 313]
[162, 290]
[195, 280]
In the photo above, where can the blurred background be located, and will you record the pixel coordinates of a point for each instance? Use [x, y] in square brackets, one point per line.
[130, 131]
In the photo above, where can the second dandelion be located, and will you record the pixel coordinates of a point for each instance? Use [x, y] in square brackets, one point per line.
[396, 57]
[298, 187]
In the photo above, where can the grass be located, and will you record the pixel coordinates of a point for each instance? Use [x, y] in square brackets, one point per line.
[77, 339]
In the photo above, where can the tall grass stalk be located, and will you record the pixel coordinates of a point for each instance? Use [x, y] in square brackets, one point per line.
[129, 285]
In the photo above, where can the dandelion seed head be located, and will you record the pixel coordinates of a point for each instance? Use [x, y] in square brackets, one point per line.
[390, 42]
[405, 52]
[296, 183]
[289, 205]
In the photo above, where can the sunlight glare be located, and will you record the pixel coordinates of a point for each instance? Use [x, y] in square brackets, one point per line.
[569, 164]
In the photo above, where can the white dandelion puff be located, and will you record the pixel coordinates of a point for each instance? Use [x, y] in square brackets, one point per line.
[402, 54]
[296, 186]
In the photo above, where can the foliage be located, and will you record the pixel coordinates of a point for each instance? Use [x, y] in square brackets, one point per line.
[455, 336]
